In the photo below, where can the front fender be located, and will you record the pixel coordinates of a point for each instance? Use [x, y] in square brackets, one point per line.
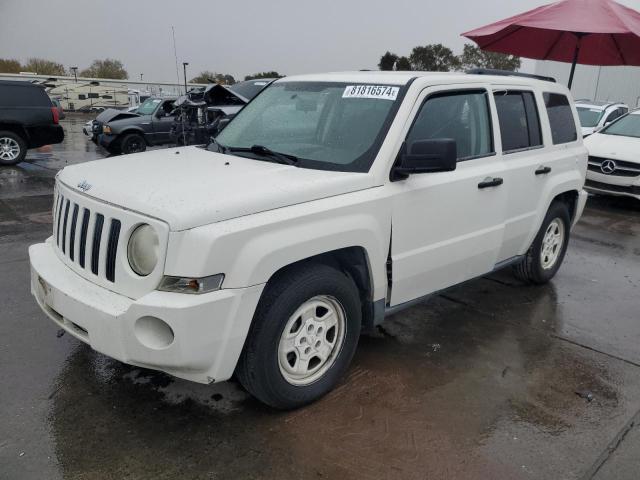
[250, 249]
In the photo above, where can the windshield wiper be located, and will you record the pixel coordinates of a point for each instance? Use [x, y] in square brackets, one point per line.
[267, 153]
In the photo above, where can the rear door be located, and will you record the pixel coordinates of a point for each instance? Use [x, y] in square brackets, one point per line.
[447, 227]
[536, 130]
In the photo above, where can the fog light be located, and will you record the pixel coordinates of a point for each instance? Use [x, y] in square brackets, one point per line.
[153, 333]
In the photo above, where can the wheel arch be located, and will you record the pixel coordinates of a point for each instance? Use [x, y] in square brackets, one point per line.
[16, 128]
[354, 262]
[136, 130]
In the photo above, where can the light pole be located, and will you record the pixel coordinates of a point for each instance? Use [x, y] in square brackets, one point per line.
[184, 66]
[141, 76]
[75, 73]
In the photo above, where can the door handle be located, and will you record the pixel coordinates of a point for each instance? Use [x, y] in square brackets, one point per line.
[543, 170]
[490, 182]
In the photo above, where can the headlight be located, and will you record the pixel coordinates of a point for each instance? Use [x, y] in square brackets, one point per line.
[106, 129]
[192, 285]
[143, 250]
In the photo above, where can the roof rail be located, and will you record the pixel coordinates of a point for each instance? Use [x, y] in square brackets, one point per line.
[507, 73]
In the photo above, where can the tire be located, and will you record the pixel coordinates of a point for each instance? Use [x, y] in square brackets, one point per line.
[13, 148]
[132, 143]
[270, 355]
[540, 265]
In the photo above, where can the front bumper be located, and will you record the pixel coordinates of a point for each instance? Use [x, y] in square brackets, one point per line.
[613, 184]
[207, 331]
[582, 201]
[105, 140]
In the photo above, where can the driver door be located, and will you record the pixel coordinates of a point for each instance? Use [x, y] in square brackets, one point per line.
[447, 227]
[161, 122]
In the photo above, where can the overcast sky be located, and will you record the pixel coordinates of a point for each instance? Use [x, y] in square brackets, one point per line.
[240, 36]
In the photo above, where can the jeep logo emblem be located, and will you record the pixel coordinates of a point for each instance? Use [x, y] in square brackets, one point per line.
[84, 186]
[608, 166]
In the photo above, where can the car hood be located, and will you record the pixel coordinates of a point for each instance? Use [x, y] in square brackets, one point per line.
[188, 187]
[111, 114]
[616, 147]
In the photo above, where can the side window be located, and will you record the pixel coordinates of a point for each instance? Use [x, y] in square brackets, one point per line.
[563, 125]
[612, 116]
[519, 120]
[463, 116]
[82, 96]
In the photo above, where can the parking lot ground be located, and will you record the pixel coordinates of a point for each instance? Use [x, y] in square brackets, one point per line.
[492, 379]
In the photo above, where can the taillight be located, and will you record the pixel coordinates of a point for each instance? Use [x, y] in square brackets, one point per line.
[56, 114]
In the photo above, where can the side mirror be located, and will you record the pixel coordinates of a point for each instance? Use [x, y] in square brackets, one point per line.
[426, 156]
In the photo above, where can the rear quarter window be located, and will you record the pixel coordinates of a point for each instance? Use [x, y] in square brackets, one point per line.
[563, 126]
[19, 96]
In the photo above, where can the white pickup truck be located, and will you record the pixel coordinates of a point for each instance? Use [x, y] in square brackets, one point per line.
[329, 202]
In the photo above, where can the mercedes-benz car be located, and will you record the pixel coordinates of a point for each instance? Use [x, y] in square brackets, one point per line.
[614, 158]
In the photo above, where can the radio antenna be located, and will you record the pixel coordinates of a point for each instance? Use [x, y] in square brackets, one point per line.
[182, 111]
[175, 54]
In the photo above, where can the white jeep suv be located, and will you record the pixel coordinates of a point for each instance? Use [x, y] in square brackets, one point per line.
[329, 202]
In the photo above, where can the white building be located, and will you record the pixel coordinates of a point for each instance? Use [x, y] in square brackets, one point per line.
[607, 84]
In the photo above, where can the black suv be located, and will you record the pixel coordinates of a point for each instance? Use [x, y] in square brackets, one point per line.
[28, 119]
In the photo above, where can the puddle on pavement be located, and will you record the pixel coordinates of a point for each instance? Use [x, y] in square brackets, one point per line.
[439, 392]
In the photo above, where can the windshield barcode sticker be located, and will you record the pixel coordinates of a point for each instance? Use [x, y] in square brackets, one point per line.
[371, 91]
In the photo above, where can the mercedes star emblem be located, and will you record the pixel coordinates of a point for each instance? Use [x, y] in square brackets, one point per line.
[608, 166]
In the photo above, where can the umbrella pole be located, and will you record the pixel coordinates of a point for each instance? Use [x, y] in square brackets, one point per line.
[579, 35]
[573, 67]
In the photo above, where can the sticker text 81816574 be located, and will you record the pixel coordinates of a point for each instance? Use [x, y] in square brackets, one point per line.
[384, 92]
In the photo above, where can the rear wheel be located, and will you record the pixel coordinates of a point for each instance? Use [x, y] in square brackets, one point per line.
[303, 337]
[132, 143]
[13, 148]
[544, 257]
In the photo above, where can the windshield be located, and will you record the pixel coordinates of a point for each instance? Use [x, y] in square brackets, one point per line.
[589, 117]
[149, 106]
[628, 126]
[327, 125]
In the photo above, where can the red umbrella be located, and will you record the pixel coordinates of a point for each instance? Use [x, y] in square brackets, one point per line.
[589, 32]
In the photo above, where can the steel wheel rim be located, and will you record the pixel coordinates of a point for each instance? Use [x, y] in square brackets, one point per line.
[9, 149]
[311, 340]
[552, 244]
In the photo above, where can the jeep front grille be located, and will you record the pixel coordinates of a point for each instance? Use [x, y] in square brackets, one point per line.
[89, 244]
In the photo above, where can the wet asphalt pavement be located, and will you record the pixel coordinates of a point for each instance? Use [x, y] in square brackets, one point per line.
[492, 380]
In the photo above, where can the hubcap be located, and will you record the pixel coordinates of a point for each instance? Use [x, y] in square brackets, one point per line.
[311, 340]
[552, 244]
[9, 149]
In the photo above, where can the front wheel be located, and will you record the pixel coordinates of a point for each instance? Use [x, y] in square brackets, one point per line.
[544, 257]
[132, 143]
[303, 337]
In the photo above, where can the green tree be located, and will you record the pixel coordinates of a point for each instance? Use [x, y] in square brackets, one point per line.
[263, 75]
[207, 76]
[10, 65]
[387, 61]
[434, 58]
[42, 66]
[403, 64]
[473, 57]
[107, 68]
